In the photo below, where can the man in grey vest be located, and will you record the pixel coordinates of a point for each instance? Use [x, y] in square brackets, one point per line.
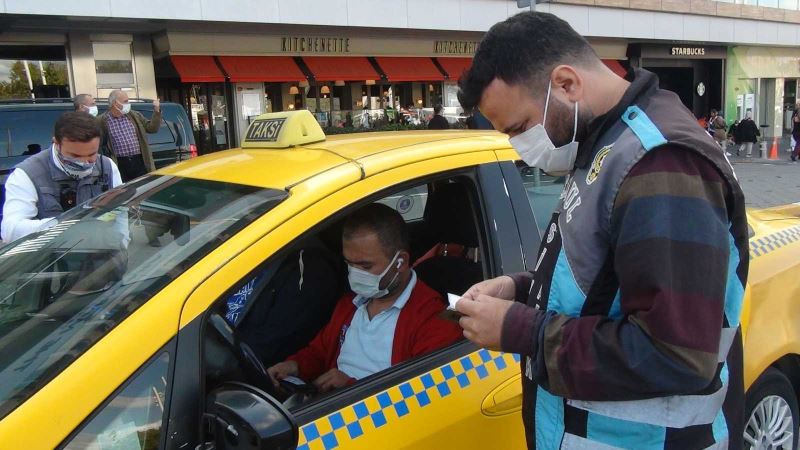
[627, 324]
[51, 182]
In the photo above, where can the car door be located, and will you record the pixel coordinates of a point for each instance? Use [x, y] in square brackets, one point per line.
[460, 396]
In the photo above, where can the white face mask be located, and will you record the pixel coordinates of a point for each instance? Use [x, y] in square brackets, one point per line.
[124, 108]
[537, 149]
[91, 110]
[75, 168]
[367, 284]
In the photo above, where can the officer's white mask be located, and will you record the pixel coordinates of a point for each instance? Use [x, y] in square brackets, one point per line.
[537, 149]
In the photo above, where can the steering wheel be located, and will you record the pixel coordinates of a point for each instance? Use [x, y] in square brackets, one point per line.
[253, 368]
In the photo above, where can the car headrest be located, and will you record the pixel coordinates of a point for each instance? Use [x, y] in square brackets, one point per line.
[450, 214]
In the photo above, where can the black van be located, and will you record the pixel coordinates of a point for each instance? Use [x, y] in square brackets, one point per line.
[26, 127]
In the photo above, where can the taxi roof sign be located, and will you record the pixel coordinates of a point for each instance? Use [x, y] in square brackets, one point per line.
[283, 130]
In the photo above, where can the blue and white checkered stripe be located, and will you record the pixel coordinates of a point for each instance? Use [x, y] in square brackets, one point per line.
[393, 404]
[774, 241]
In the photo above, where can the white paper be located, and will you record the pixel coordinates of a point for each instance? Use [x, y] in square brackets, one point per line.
[749, 102]
[453, 300]
[251, 104]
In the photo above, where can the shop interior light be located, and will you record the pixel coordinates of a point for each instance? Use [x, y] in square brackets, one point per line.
[325, 90]
[291, 106]
[430, 87]
[294, 90]
[419, 102]
[339, 83]
[370, 82]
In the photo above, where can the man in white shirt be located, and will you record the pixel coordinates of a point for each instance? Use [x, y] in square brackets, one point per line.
[51, 182]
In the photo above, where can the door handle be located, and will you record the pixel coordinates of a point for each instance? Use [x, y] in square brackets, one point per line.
[504, 399]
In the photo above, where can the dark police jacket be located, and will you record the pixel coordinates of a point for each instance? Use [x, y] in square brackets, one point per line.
[598, 372]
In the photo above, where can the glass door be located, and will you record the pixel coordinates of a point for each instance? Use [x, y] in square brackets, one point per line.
[208, 110]
[220, 121]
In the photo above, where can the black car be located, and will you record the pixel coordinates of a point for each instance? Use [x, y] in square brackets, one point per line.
[26, 128]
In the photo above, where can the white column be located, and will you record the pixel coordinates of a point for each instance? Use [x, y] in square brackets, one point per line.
[81, 62]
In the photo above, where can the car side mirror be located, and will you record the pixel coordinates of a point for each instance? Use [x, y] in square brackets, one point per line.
[244, 417]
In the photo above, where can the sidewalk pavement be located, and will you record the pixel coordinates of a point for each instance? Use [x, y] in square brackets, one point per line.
[768, 183]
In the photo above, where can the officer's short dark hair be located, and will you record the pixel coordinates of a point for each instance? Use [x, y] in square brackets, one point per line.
[437, 109]
[524, 48]
[77, 126]
[387, 223]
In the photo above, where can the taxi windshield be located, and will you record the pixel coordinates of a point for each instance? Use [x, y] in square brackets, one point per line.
[63, 289]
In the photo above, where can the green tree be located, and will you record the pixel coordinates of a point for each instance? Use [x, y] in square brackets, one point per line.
[16, 86]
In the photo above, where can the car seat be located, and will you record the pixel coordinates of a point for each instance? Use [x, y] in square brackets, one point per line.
[452, 265]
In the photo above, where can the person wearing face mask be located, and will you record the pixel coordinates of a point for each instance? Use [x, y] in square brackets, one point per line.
[51, 182]
[124, 135]
[628, 326]
[85, 103]
[390, 317]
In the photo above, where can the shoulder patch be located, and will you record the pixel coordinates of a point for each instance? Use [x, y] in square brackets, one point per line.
[597, 164]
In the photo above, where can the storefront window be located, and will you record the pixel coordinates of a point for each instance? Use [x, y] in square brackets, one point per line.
[113, 64]
[788, 4]
[33, 72]
[208, 109]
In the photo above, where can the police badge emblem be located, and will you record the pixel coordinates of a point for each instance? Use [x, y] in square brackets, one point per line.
[597, 164]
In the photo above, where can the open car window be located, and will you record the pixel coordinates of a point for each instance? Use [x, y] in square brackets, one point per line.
[63, 289]
[279, 308]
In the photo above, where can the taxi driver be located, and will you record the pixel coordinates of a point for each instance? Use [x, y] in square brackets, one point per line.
[390, 317]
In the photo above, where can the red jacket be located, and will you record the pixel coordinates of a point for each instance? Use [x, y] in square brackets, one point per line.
[419, 330]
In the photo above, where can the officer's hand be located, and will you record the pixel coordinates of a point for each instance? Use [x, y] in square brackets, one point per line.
[282, 370]
[157, 105]
[332, 379]
[500, 287]
[483, 319]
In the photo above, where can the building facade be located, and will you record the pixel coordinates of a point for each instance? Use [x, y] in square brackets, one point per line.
[353, 61]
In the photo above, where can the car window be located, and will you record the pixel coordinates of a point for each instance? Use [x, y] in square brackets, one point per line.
[133, 418]
[410, 203]
[274, 330]
[163, 136]
[63, 289]
[23, 132]
[543, 192]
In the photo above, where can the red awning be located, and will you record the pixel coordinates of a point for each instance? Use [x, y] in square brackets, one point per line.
[344, 68]
[455, 67]
[616, 67]
[197, 69]
[262, 68]
[398, 69]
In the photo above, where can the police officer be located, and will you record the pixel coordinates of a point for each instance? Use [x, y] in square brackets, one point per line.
[51, 182]
[628, 322]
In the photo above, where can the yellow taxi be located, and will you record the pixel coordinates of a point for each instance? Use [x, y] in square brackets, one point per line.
[126, 326]
[771, 326]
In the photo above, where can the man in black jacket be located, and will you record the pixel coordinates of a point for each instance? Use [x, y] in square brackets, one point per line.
[748, 133]
[438, 122]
